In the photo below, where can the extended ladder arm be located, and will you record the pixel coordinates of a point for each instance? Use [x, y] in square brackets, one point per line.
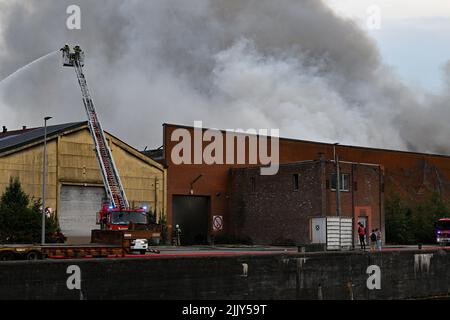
[111, 178]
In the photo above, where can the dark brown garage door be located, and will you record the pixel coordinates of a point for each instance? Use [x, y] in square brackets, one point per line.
[191, 214]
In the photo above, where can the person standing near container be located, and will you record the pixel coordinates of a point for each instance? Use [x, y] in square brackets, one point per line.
[362, 236]
[373, 240]
[378, 233]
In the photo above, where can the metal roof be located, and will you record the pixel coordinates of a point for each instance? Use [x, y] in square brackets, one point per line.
[30, 136]
[8, 133]
[325, 144]
[155, 154]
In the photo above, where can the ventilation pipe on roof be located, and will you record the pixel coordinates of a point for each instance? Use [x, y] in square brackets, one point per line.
[5, 129]
[24, 127]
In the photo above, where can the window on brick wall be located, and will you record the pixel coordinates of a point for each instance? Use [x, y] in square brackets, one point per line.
[345, 181]
[295, 179]
[253, 184]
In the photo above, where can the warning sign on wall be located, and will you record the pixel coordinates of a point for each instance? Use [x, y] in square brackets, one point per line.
[217, 223]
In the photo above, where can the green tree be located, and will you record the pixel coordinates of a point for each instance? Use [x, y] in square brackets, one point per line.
[412, 223]
[397, 216]
[425, 214]
[20, 217]
[164, 229]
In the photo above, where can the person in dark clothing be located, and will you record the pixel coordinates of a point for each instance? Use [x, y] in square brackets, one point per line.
[178, 235]
[373, 240]
[362, 236]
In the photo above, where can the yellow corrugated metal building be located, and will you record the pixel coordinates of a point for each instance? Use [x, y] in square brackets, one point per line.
[74, 183]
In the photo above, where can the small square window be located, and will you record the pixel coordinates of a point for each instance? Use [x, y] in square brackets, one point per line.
[296, 179]
[344, 182]
[253, 184]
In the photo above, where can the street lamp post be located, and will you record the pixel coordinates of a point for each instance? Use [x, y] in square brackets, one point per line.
[338, 191]
[338, 182]
[44, 178]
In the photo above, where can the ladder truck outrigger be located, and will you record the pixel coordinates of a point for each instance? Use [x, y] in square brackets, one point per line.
[116, 217]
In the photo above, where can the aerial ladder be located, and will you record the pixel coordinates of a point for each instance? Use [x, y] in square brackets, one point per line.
[117, 219]
[111, 178]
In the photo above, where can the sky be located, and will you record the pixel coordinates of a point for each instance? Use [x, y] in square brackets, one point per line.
[392, 9]
[311, 68]
[414, 36]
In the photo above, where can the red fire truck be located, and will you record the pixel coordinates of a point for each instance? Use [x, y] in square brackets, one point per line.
[442, 227]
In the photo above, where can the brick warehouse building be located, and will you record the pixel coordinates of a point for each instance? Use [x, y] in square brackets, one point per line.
[300, 193]
[198, 192]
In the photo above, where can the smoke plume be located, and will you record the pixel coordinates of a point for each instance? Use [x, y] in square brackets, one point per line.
[288, 64]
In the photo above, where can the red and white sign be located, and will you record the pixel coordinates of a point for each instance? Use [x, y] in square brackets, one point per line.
[217, 223]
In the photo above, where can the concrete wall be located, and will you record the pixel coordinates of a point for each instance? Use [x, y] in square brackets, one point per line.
[413, 274]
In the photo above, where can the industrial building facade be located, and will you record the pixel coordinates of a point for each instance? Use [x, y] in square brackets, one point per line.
[206, 189]
[291, 206]
[201, 198]
[75, 187]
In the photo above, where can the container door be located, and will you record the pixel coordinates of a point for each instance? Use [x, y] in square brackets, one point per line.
[333, 233]
[318, 230]
[346, 233]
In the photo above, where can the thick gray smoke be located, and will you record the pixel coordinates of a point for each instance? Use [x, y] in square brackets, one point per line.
[288, 64]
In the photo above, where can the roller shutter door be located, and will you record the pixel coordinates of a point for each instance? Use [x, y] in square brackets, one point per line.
[191, 214]
[78, 210]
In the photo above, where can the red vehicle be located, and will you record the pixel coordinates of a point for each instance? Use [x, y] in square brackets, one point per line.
[111, 218]
[132, 221]
[442, 227]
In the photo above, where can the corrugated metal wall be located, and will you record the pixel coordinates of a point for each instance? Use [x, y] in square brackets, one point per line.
[72, 161]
